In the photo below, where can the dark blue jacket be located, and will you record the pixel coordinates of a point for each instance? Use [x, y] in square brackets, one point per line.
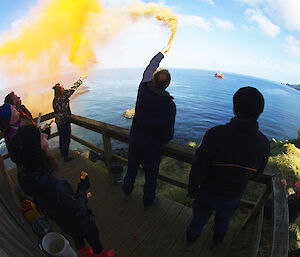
[227, 157]
[153, 123]
[54, 195]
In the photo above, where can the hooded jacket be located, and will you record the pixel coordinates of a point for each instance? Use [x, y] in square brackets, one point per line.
[227, 157]
[54, 195]
[153, 123]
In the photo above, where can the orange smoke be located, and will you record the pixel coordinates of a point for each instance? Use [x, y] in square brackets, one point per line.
[161, 13]
[62, 35]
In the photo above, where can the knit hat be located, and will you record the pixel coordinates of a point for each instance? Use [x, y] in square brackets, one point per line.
[25, 146]
[248, 102]
[5, 112]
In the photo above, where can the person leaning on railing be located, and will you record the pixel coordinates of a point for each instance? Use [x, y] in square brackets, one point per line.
[38, 178]
[152, 127]
[227, 157]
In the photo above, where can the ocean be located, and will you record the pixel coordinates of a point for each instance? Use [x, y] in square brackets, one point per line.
[202, 101]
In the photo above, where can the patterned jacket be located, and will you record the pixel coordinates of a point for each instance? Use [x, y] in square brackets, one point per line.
[61, 107]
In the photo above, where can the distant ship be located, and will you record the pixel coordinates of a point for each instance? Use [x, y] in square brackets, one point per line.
[219, 75]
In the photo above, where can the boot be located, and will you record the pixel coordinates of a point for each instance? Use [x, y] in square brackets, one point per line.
[110, 253]
[86, 251]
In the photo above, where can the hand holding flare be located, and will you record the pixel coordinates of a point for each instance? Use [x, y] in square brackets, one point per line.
[165, 49]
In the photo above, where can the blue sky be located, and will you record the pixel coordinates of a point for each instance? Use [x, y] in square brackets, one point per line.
[260, 38]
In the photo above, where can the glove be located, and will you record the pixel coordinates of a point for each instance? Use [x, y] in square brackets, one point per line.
[84, 182]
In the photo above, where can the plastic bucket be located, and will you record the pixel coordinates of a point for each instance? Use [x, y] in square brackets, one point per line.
[117, 174]
[56, 245]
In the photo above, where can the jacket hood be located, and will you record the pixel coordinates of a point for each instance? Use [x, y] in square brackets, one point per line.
[157, 91]
[247, 125]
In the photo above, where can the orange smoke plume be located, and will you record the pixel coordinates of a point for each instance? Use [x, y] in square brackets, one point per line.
[63, 35]
[161, 13]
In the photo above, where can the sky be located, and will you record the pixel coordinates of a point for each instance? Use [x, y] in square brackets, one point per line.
[260, 38]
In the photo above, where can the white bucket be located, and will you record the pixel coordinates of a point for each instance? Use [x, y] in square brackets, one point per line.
[56, 245]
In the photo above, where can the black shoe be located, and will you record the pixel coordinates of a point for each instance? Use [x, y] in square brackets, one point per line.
[68, 159]
[188, 245]
[217, 240]
[153, 203]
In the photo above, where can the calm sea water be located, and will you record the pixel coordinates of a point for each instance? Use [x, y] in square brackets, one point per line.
[202, 101]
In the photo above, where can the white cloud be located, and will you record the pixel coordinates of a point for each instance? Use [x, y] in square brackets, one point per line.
[195, 21]
[263, 22]
[223, 24]
[292, 46]
[285, 11]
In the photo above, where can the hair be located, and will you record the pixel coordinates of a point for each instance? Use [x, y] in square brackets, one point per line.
[25, 150]
[9, 98]
[56, 89]
[161, 79]
[248, 102]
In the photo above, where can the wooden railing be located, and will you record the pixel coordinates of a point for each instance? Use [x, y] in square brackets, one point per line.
[280, 221]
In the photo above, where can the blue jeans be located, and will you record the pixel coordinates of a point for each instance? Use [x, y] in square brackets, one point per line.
[150, 161]
[203, 206]
[64, 131]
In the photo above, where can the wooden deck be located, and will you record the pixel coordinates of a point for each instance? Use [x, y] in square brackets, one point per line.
[129, 229]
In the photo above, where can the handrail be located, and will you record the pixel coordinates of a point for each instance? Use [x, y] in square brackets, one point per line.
[279, 242]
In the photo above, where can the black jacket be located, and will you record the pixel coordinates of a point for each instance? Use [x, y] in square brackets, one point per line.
[153, 123]
[54, 195]
[227, 157]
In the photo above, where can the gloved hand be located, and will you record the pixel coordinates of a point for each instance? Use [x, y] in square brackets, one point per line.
[84, 182]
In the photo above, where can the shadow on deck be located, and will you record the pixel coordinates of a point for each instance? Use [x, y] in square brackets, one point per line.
[129, 229]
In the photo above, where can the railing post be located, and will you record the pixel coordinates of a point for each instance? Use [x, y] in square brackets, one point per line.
[260, 204]
[107, 150]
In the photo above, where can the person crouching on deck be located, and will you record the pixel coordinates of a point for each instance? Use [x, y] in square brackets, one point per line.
[38, 178]
[224, 162]
[152, 127]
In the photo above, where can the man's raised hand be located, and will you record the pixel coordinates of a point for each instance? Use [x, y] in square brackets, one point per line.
[165, 49]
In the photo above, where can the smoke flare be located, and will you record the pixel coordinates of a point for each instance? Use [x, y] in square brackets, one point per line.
[63, 35]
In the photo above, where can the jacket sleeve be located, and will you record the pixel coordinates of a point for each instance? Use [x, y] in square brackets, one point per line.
[203, 160]
[75, 203]
[265, 159]
[168, 131]
[69, 92]
[151, 68]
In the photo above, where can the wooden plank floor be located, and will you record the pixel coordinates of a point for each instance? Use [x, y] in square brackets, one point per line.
[129, 229]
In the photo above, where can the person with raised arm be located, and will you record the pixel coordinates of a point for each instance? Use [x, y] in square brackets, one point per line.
[152, 128]
[62, 113]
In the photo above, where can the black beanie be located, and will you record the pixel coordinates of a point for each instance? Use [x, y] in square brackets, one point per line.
[248, 102]
[25, 147]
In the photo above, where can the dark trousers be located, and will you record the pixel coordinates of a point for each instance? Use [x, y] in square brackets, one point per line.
[203, 206]
[150, 161]
[92, 237]
[64, 131]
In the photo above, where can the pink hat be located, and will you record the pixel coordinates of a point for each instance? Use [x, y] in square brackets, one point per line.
[297, 184]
